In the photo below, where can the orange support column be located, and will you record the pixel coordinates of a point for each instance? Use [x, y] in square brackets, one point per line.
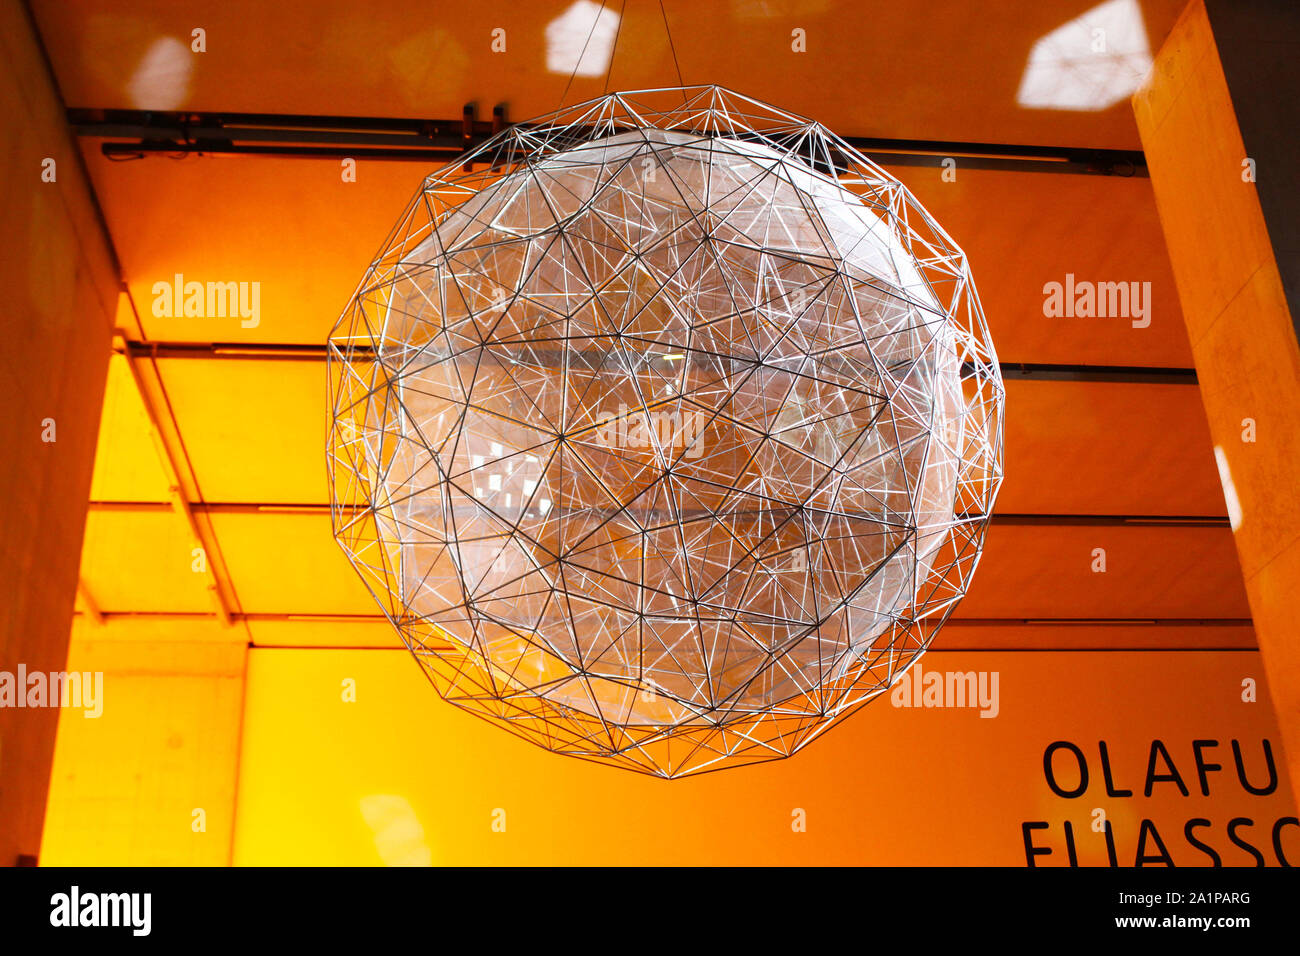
[1218, 117]
[61, 288]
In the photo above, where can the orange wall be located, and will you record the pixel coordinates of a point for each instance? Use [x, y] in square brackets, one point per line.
[151, 781]
[287, 771]
[400, 776]
[60, 292]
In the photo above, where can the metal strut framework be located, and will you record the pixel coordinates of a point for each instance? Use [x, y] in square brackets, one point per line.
[666, 430]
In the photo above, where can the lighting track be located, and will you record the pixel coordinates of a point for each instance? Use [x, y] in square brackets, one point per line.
[1019, 371]
[135, 134]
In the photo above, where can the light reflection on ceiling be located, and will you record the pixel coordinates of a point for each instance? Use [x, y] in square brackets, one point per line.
[1090, 63]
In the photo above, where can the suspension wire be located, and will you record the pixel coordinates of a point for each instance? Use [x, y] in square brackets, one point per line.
[614, 51]
[672, 47]
[618, 30]
[578, 62]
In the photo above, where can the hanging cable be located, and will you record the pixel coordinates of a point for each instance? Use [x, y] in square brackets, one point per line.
[577, 63]
[614, 50]
[672, 47]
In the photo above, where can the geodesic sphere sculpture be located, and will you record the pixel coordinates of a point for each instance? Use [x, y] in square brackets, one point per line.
[665, 430]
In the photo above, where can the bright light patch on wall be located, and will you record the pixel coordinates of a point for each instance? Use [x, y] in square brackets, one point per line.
[1094, 61]
[399, 837]
[580, 41]
[161, 80]
[1229, 489]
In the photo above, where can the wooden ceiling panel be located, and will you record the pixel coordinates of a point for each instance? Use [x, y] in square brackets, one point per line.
[138, 559]
[254, 431]
[1036, 571]
[1023, 230]
[1117, 448]
[288, 563]
[292, 226]
[912, 69]
[283, 562]
[306, 237]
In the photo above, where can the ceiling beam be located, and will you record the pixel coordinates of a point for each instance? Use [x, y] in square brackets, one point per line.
[1019, 371]
[134, 134]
